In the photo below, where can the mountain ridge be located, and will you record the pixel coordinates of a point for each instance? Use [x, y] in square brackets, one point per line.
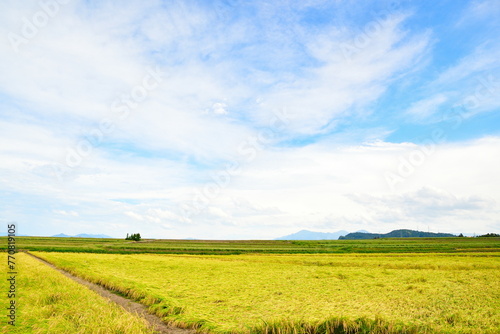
[82, 235]
[402, 233]
[311, 235]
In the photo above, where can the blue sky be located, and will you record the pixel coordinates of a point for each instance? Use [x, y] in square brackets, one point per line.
[249, 119]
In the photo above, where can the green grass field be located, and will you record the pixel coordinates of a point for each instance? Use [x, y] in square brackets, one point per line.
[421, 285]
[158, 246]
[49, 302]
[306, 293]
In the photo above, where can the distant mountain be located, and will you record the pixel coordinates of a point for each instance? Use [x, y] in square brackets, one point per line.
[102, 236]
[83, 235]
[395, 234]
[62, 235]
[310, 235]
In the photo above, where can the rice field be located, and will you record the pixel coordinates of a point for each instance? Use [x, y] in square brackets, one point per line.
[305, 293]
[227, 247]
[49, 302]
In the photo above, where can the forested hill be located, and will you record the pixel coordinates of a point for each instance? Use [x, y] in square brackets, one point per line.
[395, 234]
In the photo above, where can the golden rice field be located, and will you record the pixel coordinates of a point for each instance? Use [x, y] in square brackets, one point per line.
[374, 293]
[49, 302]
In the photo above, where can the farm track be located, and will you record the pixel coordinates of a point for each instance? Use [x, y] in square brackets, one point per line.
[133, 307]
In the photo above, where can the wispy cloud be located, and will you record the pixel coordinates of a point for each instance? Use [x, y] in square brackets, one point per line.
[423, 109]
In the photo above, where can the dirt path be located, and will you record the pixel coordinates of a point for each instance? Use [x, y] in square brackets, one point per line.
[129, 305]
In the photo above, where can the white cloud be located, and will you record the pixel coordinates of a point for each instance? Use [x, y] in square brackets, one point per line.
[469, 87]
[423, 109]
[480, 11]
[219, 108]
[341, 188]
[134, 215]
[340, 86]
[483, 60]
[78, 83]
[423, 204]
[345, 188]
[66, 213]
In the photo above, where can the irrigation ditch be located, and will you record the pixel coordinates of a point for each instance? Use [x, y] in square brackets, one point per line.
[129, 305]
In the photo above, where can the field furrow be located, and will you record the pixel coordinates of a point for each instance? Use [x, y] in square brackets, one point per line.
[49, 302]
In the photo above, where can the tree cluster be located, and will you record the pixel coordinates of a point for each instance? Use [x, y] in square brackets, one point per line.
[135, 237]
[489, 235]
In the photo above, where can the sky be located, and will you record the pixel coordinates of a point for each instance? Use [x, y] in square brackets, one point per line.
[238, 119]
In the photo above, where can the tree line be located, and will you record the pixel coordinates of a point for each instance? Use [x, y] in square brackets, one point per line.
[134, 237]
